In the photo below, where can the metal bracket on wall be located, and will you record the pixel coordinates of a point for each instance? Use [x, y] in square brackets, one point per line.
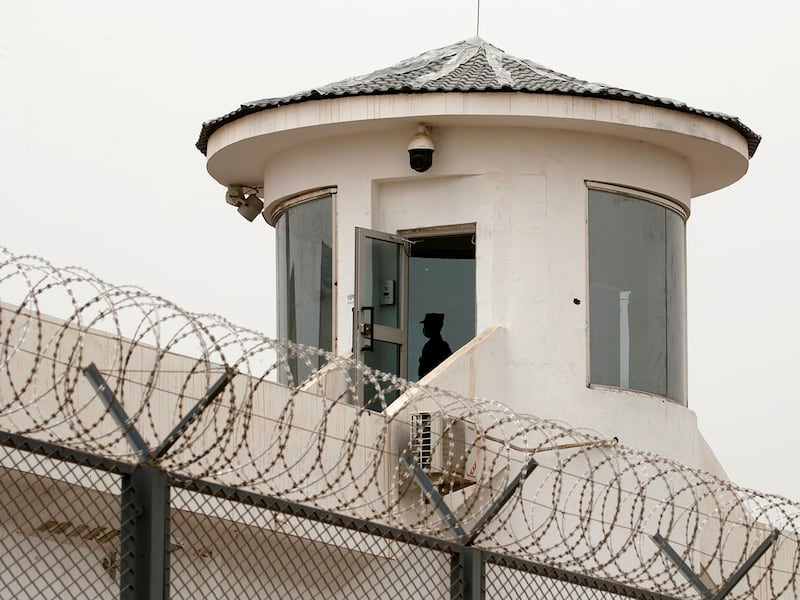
[432, 495]
[501, 500]
[435, 498]
[133, 436]
[747, 565]
[694, 579]
[211, 395]
[117, 412]
[686, 570]
[467, 569]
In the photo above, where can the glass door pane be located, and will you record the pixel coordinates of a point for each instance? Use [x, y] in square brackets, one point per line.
[380, 330]
[382, 274]
[384, 357]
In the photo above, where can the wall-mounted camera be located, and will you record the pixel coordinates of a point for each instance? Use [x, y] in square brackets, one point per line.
[248, 204]
[420, 150]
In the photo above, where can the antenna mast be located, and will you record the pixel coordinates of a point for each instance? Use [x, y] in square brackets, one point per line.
[478, 24]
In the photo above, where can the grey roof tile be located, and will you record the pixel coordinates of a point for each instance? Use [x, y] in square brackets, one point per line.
[469, 66]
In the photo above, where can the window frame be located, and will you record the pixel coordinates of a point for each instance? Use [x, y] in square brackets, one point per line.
[668, 203]
[280, 207]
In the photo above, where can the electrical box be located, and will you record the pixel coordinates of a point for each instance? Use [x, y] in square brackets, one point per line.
[387, 292]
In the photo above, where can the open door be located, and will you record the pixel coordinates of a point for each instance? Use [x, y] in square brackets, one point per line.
[380, 331]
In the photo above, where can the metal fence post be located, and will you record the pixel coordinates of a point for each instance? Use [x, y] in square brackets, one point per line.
[468, 575]
[144, 498]
[144, 535]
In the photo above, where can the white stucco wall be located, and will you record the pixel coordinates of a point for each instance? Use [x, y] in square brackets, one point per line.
[518, 168]
[526, 192]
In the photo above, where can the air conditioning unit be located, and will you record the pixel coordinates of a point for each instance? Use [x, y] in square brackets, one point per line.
[445, 449]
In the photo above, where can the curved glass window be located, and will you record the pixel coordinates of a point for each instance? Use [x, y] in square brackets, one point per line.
[305, 278]
[637, 295]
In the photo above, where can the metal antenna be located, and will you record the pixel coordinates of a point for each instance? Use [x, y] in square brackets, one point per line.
[478, 24]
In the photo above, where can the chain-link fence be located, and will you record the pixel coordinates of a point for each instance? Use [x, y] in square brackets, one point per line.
[76, 526]
[60, 522]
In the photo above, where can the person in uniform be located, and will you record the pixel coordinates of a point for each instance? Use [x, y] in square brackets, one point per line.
[435, 349]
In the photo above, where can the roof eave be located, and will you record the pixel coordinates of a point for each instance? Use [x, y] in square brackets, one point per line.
[209, 127]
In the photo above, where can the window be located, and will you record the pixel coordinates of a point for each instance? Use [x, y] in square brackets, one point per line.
[637, 291]
[303, 232]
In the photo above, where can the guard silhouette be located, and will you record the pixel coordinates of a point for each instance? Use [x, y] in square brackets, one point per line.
[435, 349]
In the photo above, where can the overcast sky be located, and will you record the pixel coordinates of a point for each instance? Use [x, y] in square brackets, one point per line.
[101, 104]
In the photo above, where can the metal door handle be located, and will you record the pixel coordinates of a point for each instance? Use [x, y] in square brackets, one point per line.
[367, 329]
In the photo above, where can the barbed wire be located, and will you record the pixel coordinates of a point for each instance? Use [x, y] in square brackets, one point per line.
[341, 437]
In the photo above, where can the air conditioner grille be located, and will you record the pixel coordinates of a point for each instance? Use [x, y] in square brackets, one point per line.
[445, 449]
[421, 442]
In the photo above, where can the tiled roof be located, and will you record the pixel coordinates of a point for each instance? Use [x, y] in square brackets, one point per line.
[469, 66]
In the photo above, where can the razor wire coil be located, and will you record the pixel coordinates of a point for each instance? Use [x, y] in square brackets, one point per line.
[590, 505]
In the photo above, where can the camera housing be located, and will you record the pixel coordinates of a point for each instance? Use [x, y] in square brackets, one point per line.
[249, 205]
[420, 150]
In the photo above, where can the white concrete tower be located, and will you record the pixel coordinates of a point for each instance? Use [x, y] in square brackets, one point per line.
[548, 229]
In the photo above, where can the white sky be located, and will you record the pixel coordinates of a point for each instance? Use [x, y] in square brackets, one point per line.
[101, 104]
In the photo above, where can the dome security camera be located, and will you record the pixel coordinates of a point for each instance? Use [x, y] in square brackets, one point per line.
[420, 150]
